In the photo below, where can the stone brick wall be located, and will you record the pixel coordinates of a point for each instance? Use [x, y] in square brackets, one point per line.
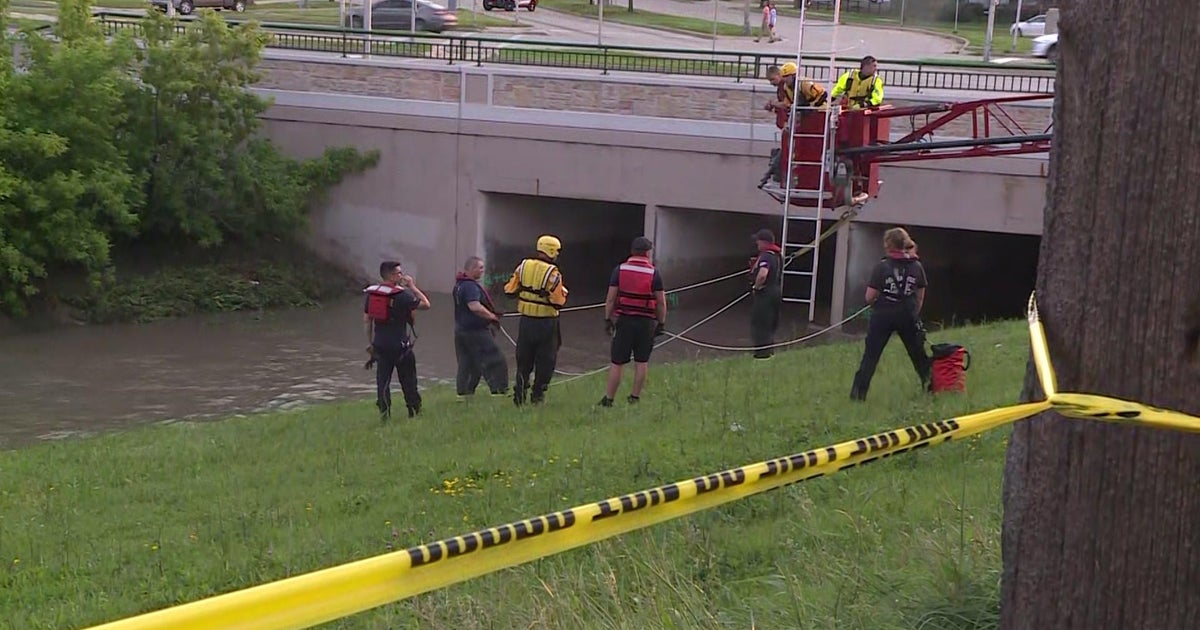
[584, 94]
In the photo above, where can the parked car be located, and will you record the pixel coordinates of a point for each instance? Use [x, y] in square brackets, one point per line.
[1046, 47]
[396, 15]
[1033, 27]
[509, 5]
[185, 7]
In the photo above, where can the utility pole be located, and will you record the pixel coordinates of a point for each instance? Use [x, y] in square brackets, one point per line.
[746, 18]
[600, 28]
[987, 42]
[1016, 31]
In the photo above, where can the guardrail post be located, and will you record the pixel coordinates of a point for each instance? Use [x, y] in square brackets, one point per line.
[919, 76]
[603, 56]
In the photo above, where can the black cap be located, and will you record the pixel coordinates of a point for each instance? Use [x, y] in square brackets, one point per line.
[641, 245]
[765, 235]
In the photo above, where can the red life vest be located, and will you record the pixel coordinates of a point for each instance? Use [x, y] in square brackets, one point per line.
[635, 288]
[379, 301]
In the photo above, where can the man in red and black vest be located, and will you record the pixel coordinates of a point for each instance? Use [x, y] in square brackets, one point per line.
[637, 300]
[387, 315]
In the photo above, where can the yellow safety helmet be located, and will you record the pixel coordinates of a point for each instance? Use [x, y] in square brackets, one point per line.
[788, 68]
[549, 245]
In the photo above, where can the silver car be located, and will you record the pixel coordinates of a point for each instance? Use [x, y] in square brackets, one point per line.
[1046, 47]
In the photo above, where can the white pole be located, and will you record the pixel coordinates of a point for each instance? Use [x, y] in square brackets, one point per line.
[956, 3]
[367, 9]
[412, 17]
[987, 42]
[715, 7]
[1016, 21]
[903, 5]
[342, 14]
[600, 30]
[746, 18]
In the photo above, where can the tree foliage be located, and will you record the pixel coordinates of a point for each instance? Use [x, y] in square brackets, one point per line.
[111, 139]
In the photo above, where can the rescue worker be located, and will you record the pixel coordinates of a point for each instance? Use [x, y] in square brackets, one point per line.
[766, 293]
[639, 303]
[896, 292]
[475, 322]
[787, 84]
[538, 286]
[862, 88]
[388, 315]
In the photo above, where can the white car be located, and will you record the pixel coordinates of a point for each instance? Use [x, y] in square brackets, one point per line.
[1046, 47]
[1033, 27]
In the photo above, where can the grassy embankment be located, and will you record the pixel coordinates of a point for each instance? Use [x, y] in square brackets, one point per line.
[96, 529]
[975, 32]
[157, 283]
[637, 17]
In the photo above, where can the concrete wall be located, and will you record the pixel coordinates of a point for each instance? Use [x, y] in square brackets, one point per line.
[636, 94]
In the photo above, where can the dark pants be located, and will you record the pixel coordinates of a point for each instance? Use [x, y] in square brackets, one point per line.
[764, 320]
[404, 363]
[478, 357]
[773, 167]
[885, 321]
[538, 339]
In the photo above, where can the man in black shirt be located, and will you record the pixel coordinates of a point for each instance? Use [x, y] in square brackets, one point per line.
[474, 342]
[896, 292]
[387, 316]
[766, 293]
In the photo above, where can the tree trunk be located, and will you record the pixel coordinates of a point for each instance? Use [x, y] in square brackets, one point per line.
[1102, 522]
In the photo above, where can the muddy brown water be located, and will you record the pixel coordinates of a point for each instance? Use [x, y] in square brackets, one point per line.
[81, 380]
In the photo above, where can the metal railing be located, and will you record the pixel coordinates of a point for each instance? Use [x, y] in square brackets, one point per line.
[480, 50]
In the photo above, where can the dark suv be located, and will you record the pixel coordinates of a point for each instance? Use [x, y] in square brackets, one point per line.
[185, 7]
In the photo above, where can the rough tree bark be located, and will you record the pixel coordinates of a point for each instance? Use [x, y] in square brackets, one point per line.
[1102, 522]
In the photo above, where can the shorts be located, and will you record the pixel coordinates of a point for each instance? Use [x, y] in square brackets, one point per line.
[634, 336]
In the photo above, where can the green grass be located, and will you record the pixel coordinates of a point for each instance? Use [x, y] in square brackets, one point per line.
[619, 61]
[328, 16]
[96, 529]
[642, 18]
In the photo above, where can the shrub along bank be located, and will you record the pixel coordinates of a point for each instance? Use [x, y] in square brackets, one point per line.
[96, 529]
[111, 143]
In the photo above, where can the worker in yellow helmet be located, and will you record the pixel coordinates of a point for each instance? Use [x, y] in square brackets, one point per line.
[812, 96]
[862, 88]
[538, 287]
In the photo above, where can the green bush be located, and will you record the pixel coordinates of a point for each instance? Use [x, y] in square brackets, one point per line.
[111, 139]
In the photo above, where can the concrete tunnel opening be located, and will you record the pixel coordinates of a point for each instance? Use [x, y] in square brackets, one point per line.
[595, 236]
[973, 276]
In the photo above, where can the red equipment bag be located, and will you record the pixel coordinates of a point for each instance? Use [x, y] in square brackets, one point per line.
[950, 364]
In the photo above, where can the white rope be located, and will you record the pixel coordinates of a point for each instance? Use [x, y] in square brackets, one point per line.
[666, 341]
[774, 345]
[689, 287]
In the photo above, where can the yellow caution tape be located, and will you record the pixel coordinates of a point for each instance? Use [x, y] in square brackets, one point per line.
[1091, 406]
[328, 594]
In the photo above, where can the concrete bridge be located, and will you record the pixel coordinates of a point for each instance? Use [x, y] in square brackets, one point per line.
[482, 160]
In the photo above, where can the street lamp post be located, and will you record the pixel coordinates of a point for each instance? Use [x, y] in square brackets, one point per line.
[600, 28]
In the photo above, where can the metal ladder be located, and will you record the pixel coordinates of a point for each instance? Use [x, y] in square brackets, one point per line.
[801, 233]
